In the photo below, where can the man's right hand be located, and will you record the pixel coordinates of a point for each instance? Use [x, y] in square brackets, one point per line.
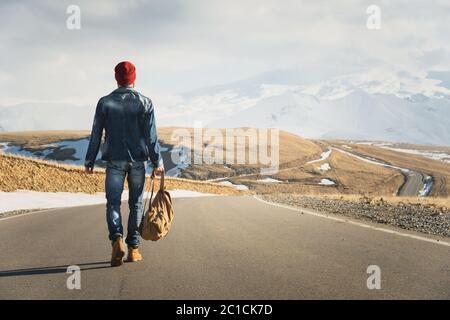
[89, 170]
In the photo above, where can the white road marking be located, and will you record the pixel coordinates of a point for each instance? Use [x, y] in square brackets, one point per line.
[32, 212]
[360, 224]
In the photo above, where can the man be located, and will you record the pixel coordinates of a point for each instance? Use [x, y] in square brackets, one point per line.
[130, 140]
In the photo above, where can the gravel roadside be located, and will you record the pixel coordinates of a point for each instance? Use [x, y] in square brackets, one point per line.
[416, 217]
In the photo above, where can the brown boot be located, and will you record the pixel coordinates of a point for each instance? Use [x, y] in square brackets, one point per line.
[118, 252]
[133, 255]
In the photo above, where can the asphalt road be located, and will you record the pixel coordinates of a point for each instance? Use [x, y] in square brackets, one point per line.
[219, 248]
[412, 185]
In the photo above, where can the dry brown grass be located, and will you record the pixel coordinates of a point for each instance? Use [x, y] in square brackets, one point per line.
[351, 176]
[21, 173]
[359, 177]
[293, 149]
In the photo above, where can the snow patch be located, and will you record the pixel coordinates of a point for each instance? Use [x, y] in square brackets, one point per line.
[236, 186]
[427, 186]
[269, 180]
[23, 199]
[327, 182]
[323, 156]
[10, 201]
[324, 167]
[434, 155]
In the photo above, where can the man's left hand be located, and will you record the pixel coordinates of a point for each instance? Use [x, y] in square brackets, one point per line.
[158, 171]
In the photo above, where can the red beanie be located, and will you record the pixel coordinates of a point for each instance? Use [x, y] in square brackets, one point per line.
[125, 73]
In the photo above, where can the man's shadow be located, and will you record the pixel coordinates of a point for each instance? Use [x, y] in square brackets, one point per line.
[53, 269]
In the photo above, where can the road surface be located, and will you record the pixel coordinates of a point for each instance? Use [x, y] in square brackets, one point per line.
[219, 248]
[413, 184]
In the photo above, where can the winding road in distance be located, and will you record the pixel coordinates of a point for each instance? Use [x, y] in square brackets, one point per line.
[414, 181]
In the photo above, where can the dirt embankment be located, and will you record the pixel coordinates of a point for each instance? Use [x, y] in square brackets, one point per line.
[21, 173]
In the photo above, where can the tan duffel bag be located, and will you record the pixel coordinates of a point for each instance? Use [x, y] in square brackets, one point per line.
[158, 218]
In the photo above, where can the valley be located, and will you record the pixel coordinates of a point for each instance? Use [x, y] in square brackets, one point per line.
[306, 166]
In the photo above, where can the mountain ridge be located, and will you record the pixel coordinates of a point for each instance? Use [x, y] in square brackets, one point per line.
[378, 104]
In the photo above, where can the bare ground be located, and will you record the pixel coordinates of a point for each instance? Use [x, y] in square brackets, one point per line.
[21, 173]
[410, 215]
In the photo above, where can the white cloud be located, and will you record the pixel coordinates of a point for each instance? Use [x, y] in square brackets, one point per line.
[182, 45]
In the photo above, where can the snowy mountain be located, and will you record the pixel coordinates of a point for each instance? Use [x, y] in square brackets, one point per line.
[358, 115]
[375, 104]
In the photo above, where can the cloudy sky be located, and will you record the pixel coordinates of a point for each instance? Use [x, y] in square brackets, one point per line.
[180, 46]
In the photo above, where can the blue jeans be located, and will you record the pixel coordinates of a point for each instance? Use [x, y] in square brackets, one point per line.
[116, 171]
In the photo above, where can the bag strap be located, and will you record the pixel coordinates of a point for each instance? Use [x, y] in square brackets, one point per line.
[161, 183]
[152, 184]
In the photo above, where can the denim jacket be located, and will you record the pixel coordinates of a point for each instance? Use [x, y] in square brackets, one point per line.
[130, 132]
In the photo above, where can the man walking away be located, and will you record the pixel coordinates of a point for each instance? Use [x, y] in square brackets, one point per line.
[130, 141]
